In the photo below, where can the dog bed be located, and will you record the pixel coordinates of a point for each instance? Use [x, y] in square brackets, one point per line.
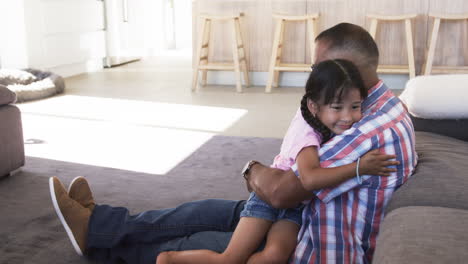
[31, 84]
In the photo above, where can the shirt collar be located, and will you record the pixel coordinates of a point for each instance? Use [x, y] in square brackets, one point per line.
[373, 94]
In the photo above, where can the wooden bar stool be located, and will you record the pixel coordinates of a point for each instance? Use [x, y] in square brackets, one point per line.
[238, 51]
[275, 63]
[428, 68]
[410, 68]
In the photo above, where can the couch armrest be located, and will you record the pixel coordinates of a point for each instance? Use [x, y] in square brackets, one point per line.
[11, 139]
[6, 96]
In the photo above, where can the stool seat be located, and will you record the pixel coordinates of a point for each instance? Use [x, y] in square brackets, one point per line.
[406, 18]
[296, 18]
[239, 54]
[428, 66]
[275, 63]
[392, 18]
[449, 16]
[220, 17]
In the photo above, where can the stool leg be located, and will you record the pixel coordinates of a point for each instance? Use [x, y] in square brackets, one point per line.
[432, 45]
[278, 56]
[243, 56]
[465, 40]
[235, 56]
[206, 45]
[274, 54]
[373, 28]
[312, 30]
[201, 37]
[409, 46]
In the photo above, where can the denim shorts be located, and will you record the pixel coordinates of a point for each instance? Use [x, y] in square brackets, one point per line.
[256, 207]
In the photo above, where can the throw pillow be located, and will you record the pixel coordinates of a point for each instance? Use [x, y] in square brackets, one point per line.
[437, 96]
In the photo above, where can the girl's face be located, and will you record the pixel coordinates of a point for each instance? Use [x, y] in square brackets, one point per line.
[340, 116]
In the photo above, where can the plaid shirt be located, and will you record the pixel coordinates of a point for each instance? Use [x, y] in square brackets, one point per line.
[341, 224]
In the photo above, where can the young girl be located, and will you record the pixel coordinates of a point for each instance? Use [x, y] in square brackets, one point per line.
[331, 104]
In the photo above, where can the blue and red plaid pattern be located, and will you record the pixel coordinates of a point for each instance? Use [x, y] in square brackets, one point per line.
[341, 224]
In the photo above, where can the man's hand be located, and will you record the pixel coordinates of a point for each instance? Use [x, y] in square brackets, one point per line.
[246, 172]
[247, 185]
[280, 189]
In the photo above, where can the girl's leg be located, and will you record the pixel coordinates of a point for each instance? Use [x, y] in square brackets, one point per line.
[280, 244]
[247, 237]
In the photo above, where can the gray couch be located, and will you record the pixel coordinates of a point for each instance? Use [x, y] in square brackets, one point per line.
[427, 218]
[11, 134]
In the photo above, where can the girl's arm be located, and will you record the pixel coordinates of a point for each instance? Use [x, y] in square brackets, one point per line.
[314, 177]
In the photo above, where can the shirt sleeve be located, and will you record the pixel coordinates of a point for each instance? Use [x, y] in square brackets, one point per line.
[298, 136]
[341, 150]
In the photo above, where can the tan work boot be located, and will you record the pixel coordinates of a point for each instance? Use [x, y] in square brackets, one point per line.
[79, 191]
[74, 216]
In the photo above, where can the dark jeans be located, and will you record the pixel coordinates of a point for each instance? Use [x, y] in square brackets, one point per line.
[114, 236]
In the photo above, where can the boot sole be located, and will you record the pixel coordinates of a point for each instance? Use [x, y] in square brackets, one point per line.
[62, 219]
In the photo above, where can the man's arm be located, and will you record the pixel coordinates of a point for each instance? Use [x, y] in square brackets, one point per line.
[279, 188]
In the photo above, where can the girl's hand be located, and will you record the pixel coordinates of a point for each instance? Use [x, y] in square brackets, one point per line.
[374, 163]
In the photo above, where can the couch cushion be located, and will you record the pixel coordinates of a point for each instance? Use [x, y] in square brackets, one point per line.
[6, 96]
[437, 96]
[456, 128]
[441, 176]
[423, 235]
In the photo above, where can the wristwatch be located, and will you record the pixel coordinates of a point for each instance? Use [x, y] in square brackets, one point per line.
[246, 170]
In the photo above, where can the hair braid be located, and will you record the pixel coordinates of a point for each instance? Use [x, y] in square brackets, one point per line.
[313, 121]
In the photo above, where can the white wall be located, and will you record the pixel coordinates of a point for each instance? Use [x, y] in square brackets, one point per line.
[141, 35]
[68, 36]
[183, 24]
[72, 35]
[13, 50]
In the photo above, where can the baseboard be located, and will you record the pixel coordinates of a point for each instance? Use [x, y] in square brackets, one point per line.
[292, 79]
[78, 68]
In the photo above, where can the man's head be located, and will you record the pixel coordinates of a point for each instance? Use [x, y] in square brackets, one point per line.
[353, 43]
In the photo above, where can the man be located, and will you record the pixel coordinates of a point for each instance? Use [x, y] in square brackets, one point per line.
[339, 224]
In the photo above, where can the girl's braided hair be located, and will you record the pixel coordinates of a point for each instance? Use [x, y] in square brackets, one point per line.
[328, 82]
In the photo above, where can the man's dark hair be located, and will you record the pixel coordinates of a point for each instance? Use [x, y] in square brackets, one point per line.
[351, 39]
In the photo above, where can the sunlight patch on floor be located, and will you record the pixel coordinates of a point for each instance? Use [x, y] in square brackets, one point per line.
[192, 117]
[123, 134]
[135, 148]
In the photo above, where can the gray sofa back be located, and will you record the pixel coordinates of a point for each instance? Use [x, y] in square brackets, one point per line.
[441, 177]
